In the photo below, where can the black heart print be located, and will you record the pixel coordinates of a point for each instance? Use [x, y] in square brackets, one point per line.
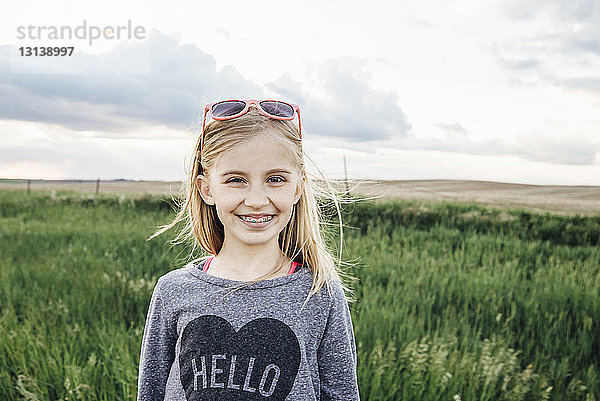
[258, 362]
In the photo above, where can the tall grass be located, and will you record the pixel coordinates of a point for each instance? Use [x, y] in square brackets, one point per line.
[454, 301]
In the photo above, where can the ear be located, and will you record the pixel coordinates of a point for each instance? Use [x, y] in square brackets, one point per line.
[299, 189]
[204, 189]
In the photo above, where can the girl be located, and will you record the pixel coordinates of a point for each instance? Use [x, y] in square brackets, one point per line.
[283, 330]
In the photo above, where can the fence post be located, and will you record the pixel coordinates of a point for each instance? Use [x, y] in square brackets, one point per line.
[28, 186]
[97, 186]
[345, 175]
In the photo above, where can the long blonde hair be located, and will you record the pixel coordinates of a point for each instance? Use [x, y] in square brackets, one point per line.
[302, 240]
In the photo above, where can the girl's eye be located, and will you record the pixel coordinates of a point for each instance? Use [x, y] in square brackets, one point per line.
[279, 179]
[234, 180]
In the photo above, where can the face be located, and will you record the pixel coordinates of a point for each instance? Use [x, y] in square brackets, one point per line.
[256, 179]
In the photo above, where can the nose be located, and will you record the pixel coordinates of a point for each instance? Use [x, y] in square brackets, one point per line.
[256, 197]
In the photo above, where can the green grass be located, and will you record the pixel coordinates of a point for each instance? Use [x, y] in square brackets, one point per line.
[454, 300]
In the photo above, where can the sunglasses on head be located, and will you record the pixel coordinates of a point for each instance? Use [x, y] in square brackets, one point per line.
[229, 109]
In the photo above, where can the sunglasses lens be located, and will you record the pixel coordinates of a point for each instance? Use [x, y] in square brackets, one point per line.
[278, 109]
[228, 108]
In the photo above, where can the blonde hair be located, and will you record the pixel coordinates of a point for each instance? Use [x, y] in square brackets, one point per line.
[304, 236]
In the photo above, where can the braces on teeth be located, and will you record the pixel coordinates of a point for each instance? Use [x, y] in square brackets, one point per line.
[261, 220]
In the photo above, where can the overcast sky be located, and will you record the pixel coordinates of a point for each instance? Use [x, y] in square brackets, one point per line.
[438, 89]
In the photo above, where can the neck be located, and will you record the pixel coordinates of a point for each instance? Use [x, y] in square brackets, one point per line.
[251, 261]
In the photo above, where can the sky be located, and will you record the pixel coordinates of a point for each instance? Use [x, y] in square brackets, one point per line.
[498, 90]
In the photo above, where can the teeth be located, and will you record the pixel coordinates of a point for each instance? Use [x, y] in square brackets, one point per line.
[253, 220]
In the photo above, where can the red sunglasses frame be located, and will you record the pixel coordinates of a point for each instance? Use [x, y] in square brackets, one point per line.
[248, 102]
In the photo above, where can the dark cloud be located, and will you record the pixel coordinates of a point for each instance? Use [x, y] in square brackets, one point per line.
[349, 108]
[170, 90]
[168, 83]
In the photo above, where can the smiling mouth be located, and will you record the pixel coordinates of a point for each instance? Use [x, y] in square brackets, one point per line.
[260, 220]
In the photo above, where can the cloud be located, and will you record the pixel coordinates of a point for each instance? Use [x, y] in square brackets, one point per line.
[558, 41]
[585, 83]
[566, 10]
[454, 131]
[462, 144]
[39, 151]
[175, 79]
[173, 83]
[532, 146]
[343, 104]
[178, 80]
[558, 150]
[224, 33]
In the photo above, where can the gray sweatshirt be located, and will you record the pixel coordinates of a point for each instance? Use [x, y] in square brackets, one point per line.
[203, 341]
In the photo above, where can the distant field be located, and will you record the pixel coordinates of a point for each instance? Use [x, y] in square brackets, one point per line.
[118, 186]
[557, 199]
[567, 200]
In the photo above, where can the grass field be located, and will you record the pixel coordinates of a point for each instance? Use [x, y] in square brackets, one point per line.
[454, 300]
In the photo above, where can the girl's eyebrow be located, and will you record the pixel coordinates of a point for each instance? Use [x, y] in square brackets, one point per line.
[275, 170]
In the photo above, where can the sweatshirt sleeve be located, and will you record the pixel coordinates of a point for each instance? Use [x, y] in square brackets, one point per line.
[337, 352]
[158, 350]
